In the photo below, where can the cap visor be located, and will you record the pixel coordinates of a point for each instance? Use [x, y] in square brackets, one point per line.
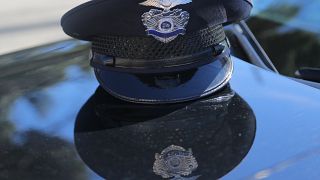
[167, 87]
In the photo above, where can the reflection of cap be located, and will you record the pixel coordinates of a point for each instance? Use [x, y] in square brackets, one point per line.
[179, 45]
[203, 139]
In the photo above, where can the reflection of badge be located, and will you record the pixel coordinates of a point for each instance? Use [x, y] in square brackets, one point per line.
[165, 25]
[175, 161]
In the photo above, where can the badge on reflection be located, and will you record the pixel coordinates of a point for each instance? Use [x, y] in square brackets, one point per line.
[175, 161]
[198, 140]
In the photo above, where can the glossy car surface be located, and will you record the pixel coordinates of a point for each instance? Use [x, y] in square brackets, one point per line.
[43, 89]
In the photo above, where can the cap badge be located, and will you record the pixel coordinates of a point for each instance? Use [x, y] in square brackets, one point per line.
[175, 162]
[165, 25]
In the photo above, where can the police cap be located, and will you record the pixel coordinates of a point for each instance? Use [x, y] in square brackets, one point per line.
[158, 51]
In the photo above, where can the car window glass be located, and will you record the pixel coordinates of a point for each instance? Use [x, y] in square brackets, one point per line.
[289, 31]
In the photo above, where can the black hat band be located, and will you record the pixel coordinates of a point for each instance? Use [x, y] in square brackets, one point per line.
[149, 48]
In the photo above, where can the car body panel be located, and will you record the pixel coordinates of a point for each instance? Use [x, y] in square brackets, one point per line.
[288, 132]
[42, 90]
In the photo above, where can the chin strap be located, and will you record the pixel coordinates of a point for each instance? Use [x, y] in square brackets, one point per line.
[103, 62]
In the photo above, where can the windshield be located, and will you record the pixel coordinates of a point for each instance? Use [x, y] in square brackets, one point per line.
[289, 31]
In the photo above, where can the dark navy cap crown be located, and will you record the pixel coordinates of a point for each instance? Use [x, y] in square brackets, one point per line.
[123, 17]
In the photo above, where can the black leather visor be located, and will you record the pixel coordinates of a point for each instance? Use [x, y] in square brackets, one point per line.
[166, 87]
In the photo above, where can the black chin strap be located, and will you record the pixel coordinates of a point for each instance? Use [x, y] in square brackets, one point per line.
[173, 64]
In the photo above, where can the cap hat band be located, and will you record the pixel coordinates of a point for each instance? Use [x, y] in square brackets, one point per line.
[150, 48]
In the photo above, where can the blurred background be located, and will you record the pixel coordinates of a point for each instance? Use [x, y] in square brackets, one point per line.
[29, 23]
